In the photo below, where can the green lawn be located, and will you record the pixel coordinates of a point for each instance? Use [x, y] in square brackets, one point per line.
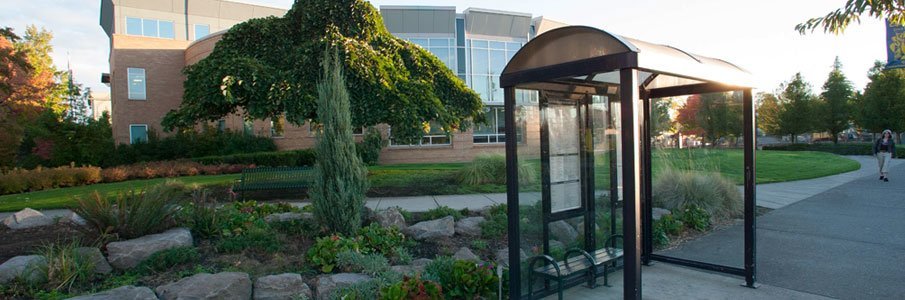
[65, 197]
[440, 178]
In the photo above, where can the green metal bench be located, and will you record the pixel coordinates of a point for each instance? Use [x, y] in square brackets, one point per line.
[274, 178]
[576, 263]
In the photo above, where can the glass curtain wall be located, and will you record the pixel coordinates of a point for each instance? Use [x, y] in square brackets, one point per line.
[488, 58]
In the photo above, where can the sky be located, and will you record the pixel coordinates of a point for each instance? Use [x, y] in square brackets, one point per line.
[758, 36]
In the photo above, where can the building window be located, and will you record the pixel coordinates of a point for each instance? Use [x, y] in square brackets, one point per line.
[137, 89]
[138, 133]
[248, 127]
[221, 125]
[442, 48]
[150, 28]
[494, 130]
[435, 136]
[201, 30]
[488, 58]
[358, 130]
[277, 126]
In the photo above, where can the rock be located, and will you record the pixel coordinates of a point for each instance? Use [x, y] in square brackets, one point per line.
[470, 226]
[74, 219]
[407, 270]
[465, 254]
[563, 232]
[96, 258]
[27, 267]
[128, 254]
[326, 284]
[27, 218]
[658, 213]
[226, 285]
[124, 292]
[444, 227]
[288, 216]
[502, 256]
[390, 217]
[283, 286]
[554, 244]
[422, 262]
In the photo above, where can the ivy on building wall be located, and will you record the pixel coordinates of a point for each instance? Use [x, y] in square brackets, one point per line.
[268, 67]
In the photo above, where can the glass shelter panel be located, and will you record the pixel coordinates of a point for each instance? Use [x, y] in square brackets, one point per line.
[697, 163]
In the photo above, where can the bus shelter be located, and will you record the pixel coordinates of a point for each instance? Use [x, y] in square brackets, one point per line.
[578, 102]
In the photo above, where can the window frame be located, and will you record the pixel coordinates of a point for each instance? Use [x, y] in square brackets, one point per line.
[132, 139]
[157, 22]
[144, 82]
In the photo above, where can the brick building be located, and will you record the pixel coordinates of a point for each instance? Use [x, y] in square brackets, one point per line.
[151, 41]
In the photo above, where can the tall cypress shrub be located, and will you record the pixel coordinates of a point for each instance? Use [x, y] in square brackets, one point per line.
[340, 179]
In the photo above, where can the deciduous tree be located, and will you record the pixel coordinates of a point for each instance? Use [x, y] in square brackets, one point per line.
[838, 20]
[768, 114]
[882, 106]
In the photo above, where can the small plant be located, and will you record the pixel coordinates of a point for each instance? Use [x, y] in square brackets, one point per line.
[65, 267]
[676, 189]
[202, 216]
[659, 234]
[401, 256]
[323, 252]
[671, 225]
[257, 237]
[370, 146]
[383, 240]
[695, 218]
[479, 244]
[412, 288]
[442, 212]
[462, 279]
[166, 259]
[131, 214]
[491, 169]
[496, 224]
[371, 264]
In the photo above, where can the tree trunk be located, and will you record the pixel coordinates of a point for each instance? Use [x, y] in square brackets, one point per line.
[835, 139]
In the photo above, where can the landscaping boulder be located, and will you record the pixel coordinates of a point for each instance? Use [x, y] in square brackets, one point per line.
[96, 258]
[326, 284]
[27, 218]
[226, 285]
[657, 213]
[128, 254]
[470, 226]
[124, 292]
[73, 218]
[288, 216]
[422, 262]
[466, 254]
[407, 270]
[554, 244]
[283, 286]
[444, 227]
[563, 232]
[390, 217]
[502, 256]
[27, 267]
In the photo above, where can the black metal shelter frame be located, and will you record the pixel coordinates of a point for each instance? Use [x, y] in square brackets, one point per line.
[568, 60]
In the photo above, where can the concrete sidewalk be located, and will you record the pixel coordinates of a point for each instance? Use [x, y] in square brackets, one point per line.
[777, 195]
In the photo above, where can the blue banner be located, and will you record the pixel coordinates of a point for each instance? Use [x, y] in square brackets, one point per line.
[895, 46]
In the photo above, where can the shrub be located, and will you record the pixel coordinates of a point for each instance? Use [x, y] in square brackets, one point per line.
[131, 214]
[371, 264]
[412, 288]
[166, 259]
[189, 144]
[675, 189]
[491, 169]
[479, 245]
[695, 217]
[201, 215]
[323, 252]
[255, 237]
[65, 267]
[840, 149]
[670, 224]
[441, 212]
[659, 234]
[294, 158]
[462, 279]
[340, 178]
[19, 180]
[370, 146]
[115, 174]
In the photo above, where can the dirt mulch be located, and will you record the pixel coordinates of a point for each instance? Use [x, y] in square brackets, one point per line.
[27, 241]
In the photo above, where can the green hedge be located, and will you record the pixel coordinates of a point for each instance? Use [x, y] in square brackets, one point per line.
[840, 149]
[190, 144]
[304, 157]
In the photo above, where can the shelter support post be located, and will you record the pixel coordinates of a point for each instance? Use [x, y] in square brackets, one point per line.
[750, 189]
[631, 177]
[646, 183]
[512, 195]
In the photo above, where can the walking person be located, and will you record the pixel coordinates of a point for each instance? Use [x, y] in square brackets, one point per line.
[885, 150]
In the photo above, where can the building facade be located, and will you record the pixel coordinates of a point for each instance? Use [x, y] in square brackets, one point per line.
[152, 41]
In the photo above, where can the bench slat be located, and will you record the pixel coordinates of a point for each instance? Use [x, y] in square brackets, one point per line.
[580, 263]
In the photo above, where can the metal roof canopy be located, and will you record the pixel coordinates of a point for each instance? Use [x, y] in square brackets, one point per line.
[587, 60]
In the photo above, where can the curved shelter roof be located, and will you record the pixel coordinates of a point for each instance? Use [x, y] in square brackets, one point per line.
[582, 52]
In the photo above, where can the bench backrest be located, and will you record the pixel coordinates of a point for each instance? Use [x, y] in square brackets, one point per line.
[277, 177]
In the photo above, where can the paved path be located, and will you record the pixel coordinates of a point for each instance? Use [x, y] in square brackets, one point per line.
[777, 195]
[847, 242]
